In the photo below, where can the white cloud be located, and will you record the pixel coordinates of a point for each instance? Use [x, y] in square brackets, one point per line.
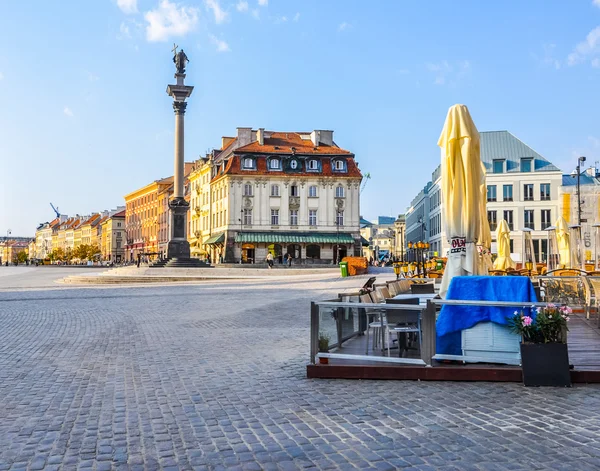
[168, 20]
[596, 2]
[263, 3]
[221, 45]
[220, 14]
[68, 112]
[127, 6]
[242, 6]
[344, 26]
[448, 73]
[296, 17]
[587, 49]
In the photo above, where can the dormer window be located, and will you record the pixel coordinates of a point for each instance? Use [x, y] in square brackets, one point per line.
[526, 165]
[313, 165]
[294, 164]
[498, 166]
[248, 163]
[339, 165]
[274, 164]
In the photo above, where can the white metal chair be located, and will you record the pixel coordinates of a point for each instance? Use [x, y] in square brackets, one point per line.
[375, 325]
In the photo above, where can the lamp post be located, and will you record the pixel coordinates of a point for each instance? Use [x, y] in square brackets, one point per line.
[580, 161]
[241, 228]
[337, 225]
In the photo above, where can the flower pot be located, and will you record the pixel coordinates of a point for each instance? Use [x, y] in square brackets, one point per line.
[545, 364]
[324, 361]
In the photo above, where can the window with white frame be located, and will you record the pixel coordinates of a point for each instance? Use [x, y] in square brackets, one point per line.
[339, 218]
[274, 217]
[247, 189]
[274, 164]
[247, 217]
[293, 217]
[312, 191]
[339, 165]
[313, 165]
[274, 190]
[248, 162]
[312, 217]
[294, 190]
[339, 191]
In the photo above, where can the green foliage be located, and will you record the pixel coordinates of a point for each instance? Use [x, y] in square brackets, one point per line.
[549, 325]
[323, 342]
[22, 256]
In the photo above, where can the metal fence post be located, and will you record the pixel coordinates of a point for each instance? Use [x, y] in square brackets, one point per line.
[314, 332]
[429, 334]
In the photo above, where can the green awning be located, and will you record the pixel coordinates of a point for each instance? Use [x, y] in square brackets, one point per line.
[216, 239]
[364, 242]
[295, 238]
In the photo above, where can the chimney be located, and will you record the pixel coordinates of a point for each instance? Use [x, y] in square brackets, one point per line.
[326, 137]
[244, 136]
[315, 137]
[260, 136]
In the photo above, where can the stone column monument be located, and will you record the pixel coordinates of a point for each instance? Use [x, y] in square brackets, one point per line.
[178, 249]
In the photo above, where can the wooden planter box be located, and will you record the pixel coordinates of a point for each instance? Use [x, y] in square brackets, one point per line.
[545, 364]
[491, 343]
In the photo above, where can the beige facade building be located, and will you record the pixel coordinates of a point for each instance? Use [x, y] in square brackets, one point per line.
[113, 236]
[279, 192]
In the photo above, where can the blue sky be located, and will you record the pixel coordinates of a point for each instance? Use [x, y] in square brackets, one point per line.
[84, 117]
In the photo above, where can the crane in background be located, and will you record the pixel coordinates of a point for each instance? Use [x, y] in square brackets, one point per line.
[366, 178]
[55, 210]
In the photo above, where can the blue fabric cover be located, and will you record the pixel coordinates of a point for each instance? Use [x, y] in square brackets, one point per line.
[453, 319]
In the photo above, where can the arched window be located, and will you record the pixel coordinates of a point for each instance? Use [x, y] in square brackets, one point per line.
[339, 191]
[313, 251]
[274, 190]
[313, 165]
[248, 189]
[248, 162]
[339, 165]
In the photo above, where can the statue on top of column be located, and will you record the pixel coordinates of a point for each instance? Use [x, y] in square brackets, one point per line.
[180, 60]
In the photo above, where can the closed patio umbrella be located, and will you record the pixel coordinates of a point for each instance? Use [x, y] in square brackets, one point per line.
[563, 242]
[503, 261]
[485, 234]
[461, 189]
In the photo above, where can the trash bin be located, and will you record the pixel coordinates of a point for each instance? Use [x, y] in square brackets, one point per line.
[344, 268]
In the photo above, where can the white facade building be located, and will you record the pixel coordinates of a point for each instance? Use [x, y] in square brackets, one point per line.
[522, 188]
[279, 192]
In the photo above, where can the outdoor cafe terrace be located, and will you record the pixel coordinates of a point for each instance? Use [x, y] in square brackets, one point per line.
[405, 348]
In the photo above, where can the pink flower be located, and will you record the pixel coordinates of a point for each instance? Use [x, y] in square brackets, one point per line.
[551, 306]
[527, 321]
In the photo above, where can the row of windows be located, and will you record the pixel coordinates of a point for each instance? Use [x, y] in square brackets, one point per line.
[435, 199]
[507, 192]
[527, 165]
[312, 191]
[435, 224]
[249, 163]
[528, 219]
[312, 217]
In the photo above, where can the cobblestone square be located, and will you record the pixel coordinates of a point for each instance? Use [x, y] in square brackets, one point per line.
[213, 376]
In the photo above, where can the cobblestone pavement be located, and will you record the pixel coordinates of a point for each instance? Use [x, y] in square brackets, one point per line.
[212, 376]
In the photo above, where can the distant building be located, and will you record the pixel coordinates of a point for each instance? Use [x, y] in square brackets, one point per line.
[384, 238]
[113, 237]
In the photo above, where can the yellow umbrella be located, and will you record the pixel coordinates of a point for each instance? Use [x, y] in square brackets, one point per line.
[503, 243]
[485, 234]
[461, 190]
[563, 242]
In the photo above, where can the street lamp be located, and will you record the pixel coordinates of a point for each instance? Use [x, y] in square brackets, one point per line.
[241, 228]
[337, 224]
[580, 161]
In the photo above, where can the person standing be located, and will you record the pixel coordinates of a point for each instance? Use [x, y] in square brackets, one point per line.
[289, 260]
[270, 260]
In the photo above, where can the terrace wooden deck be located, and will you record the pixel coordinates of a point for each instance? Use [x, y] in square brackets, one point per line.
[584, 355]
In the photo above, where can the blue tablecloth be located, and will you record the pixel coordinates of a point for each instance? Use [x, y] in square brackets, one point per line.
[453, 319]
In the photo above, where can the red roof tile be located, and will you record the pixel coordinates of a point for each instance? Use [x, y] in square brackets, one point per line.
[282, 142]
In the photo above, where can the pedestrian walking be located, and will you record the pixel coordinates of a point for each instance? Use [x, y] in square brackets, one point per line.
[289, 260]
[270, 260]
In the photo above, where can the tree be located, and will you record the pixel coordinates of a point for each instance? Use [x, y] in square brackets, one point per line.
[92, 251]
[22, 256]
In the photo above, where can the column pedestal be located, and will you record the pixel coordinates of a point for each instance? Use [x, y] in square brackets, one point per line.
[178, 246]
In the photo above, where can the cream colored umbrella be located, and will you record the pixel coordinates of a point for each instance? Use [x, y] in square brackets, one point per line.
[485, 234]
[563, 242]
[503, 261]
[461, 190]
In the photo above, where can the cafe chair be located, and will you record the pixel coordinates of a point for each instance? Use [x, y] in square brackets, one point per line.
[375, 325]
